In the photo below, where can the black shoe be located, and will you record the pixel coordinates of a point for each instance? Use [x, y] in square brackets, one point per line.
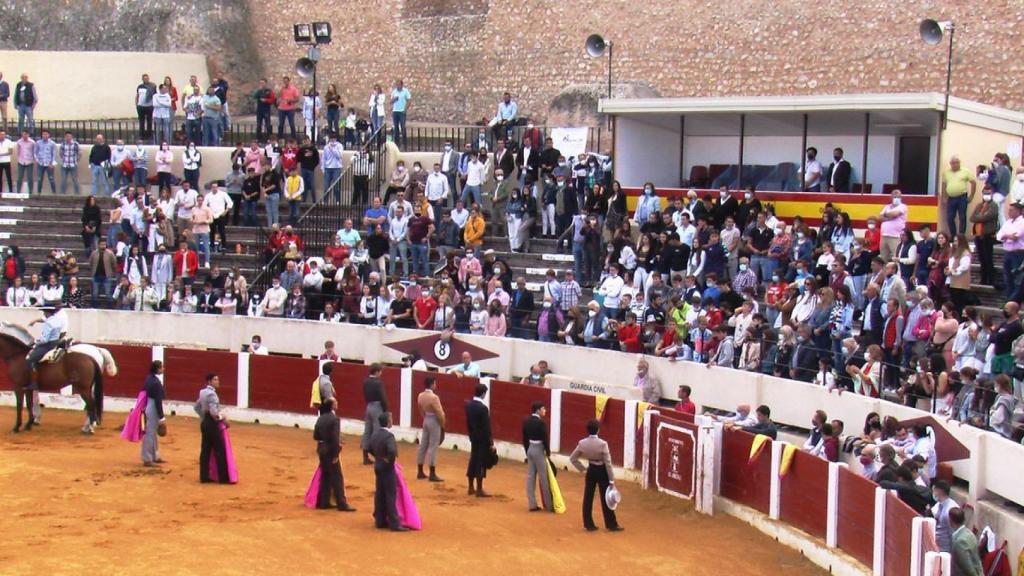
[421, 476]
[615, 529]
[346, 508]
[591, 528]
[400, 529]
[536, 509]
[435, 478]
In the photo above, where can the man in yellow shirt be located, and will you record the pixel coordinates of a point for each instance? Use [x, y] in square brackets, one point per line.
[473, 234]
[958, 186]
[293, 189]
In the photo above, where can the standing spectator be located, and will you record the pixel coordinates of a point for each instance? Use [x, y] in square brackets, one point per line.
[250, 196]
[985, 220]
[140, 161]
[172, 91]
[495, 324]
[287, 102]
[26, 160]
[193, 107]
[69, 153]
[520, 308]
[25, 100]
[162, 112]
[311, 111]
[958, 270]
[192, 160]
[1000, 417]
[202, 216]
[99, 161]
[894, 222]
[219, 203]
[473, 233]
[144, 106]
[309, 159]
[1011, 234]
[90, 224]
[7, 148]
[966, 561]
[45, 153]
[351, 121]
[220, 89]
[163, 158]
[420, 228]
[400, 97]
[264, 97]
[437, 191]
[103, 264]
[398, 228]
[332, 167]
[334, 106]
[811, 171]
[293, 189]
[212, 110]
[270, 185]
[475, 171]
[5, 95]
[958, 188]
[377, 108]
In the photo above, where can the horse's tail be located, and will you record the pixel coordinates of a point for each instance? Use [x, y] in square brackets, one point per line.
[97, 389]
[109, 365]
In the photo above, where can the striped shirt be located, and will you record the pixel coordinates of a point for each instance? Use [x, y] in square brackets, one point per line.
[69, 154]
[570, 295]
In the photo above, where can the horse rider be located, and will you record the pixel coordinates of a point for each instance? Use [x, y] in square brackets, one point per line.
[55, 325]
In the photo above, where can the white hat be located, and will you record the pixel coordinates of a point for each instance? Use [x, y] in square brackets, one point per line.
[488, 252]
[612, 497]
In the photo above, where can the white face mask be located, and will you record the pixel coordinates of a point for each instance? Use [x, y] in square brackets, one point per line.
[499, 178]
[871, 226]
[547, 304]
[743, 267]
[986, 197]
[591, 313]
[748, 196]
[897, 201]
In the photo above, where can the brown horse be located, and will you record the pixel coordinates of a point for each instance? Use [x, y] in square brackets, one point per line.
[82, 367]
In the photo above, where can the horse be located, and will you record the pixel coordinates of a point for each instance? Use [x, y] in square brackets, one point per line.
[82, 366]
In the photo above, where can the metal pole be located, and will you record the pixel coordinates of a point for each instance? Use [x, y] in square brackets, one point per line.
[743, 129]
[315, 96]
[864, 162]
[611, 45]
[803, 152]
[683, 176]
[949, 74]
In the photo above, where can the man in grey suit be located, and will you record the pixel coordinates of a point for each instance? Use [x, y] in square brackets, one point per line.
[966, 561]
[535, 443]
[450, 166]
[599, 475]
[385, 451]
[208, 409]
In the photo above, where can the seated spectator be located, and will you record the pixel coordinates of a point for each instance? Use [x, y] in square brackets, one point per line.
[295, 306]
[534, 378]
[467, 367]
[742, 417]
[764, 424]
[274, 300]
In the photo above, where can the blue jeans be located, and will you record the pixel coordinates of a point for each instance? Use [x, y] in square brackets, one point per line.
[203, 246]
[333, 115]
[194, 130]
[249, 212]
[100, 286]
[119, 178]
[293, 212]
[211, 131]
[421, 259]
[162, 131]
[577, 261]
[330, 176]
[398, 120]
[273, 209]
[375, 120]
[467, 192]
[283, 115]
[763, 266]
[23, 171]
[308, 180]
[263, 121]
[396, 249]
[25, 113]
[72, 175]
[140, 177]
[957, 206]
[48, 172]
[1011, 261]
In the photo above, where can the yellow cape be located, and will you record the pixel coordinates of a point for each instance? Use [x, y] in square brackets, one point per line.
[314, 396]
[760, 440]
[556, 493]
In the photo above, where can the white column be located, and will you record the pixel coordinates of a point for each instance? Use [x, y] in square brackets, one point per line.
[629, 435]
[405, 420]
[706, 465]
[776, 488]
[832, 518]
[243, 379]
[645, 465]
[486, 381]
[719, 437]
[555, 421]
[878, 558]
[158, 355]
[917, 535]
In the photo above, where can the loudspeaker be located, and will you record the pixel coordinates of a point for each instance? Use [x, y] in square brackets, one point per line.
[931, 31]
[304, 67]
[596, 45]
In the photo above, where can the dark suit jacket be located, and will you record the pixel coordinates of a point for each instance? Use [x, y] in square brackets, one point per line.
[327, 432]
[525, 306]
[373, 391]
[453, 162]
[478, 422]
[383, 446]
[532, 163]
[806, 362]
[877, 320]
[506, 162]
[842, 171]
[535, 429]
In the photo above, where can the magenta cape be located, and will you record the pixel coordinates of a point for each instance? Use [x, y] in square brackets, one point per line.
[408, 514]
[313, 490]
[132, 430]
[228, 454]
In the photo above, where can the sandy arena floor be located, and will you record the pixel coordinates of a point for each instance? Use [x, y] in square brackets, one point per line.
[84, 505]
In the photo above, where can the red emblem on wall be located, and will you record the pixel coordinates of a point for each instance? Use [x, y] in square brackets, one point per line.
[441, 351]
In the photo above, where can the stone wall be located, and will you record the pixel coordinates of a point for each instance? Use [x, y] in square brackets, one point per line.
[458, 56]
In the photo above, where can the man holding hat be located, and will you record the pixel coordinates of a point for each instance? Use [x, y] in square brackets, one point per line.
[599, 475]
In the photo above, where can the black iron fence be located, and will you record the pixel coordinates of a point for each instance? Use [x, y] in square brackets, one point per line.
[347, 197]
[421, 138]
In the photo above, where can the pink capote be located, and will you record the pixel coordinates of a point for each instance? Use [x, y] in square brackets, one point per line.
[132, 430]
[408, 514]
[228, 455]
[313, 490]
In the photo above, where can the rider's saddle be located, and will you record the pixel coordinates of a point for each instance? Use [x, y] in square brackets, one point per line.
[58, 351]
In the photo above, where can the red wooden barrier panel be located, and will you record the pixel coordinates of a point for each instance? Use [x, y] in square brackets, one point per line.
[348, 378]
[667, 414]
[281, 382]
[578, 409]
[613, 428]
[185, 374]
[453, 391]
[132, 368]
[510, 404]
[748, 484]
[856, 516]
[804, 494]
[898, 525]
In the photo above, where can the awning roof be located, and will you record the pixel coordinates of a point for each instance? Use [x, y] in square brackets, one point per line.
[960, 110]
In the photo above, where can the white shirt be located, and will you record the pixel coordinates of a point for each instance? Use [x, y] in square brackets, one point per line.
[185, 202]
[259, 350]
[398, 228]
[273, 301]
[6, 146]
[812, 176]
[18, 297]
[168, 206]
[460, 217]
[474, 173]
[687, 234]
[437, 186]
[611, 289]
[219, 203]
[446, 158]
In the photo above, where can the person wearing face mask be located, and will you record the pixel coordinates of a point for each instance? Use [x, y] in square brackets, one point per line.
[894, 222]
[748, 209]
[838, 174]
[985, 224]
[274, 300]
[595, 328]
[550, 321]
[475, 171]
[140, 160]
[163, 158]
[811, 172]
[648, 203]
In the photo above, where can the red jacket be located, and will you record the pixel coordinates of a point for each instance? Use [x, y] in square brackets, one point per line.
[191, 262]
[336, 254]
[630, 337]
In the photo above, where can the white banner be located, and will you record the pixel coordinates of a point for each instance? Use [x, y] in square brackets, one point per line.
[559, 382]
[571, 142]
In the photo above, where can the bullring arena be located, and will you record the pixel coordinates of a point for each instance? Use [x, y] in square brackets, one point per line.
[92, 492]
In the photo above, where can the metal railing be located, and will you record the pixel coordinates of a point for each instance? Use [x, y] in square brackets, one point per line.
[347, 197]
[432, 138]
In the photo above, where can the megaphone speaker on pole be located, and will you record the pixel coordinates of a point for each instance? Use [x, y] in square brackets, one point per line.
[596, 45]
[931, 31]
